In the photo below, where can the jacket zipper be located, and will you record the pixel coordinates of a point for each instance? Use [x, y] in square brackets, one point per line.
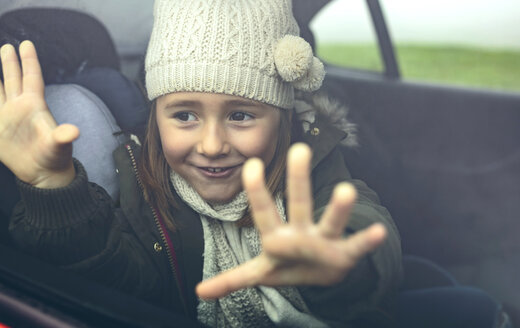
[161, 232]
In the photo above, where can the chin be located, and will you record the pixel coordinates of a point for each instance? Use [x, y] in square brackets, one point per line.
[218, 198]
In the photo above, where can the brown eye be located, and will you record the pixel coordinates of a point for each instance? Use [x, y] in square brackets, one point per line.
[240, 116]
[185, 116]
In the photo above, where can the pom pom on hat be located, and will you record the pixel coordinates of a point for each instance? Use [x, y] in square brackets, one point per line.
[313, 79]
[296, 64]
[292, 57]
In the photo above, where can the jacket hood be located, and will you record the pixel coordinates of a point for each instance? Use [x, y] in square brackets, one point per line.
[310, 105]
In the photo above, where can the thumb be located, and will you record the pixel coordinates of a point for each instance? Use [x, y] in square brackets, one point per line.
[61, 139]
[65, 134]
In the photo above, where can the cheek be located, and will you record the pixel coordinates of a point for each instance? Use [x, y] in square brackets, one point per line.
[174, 146]
[260, 144]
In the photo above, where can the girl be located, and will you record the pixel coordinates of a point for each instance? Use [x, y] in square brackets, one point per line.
[194, 206]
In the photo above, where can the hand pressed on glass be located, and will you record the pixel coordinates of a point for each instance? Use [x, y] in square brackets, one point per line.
[34, 147]
[298, 252]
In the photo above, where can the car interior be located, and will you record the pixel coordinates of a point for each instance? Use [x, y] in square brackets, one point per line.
[445, 161]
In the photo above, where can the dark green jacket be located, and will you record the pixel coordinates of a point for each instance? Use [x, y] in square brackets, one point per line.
[127, 246]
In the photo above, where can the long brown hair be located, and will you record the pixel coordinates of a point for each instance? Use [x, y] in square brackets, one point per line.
[155, 171]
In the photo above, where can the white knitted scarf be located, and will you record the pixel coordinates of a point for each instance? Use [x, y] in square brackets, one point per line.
[226, 246]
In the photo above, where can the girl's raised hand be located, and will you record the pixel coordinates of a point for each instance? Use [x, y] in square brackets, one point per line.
[32, 146]
[299, 252]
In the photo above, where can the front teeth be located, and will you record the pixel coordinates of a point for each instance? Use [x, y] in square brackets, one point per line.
[215, 169]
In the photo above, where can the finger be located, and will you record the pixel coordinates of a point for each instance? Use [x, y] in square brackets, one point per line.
[243, 276]
[2, 94]
[363, 242]
[262, 205]
[32, 73]
[12, 72]
[299, 199]
[335, 218]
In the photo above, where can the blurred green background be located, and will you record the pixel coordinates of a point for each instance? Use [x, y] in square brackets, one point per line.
[471, 43]
[466, 66]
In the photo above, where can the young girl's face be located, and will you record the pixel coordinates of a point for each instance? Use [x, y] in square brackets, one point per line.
[206, 138]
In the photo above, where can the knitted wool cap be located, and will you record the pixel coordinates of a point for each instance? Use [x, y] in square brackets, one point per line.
[247, 48]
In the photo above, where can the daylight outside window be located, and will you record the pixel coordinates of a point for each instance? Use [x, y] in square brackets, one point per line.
[463, 43]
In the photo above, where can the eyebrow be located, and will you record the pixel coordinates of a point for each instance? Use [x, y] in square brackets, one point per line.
[196, 103]
[182, 103]
[245, 102]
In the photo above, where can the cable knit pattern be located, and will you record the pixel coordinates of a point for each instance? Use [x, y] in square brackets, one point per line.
[226, 246]
[225, 46]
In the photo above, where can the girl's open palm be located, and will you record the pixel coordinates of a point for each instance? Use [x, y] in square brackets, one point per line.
[299, 252]
[32, 146]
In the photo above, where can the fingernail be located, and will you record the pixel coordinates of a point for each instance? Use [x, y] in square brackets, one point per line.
[300, 146]
[4, 49]
[253, 163]
[24, 44]
[345, 190]
[378, 231]
[253, 169]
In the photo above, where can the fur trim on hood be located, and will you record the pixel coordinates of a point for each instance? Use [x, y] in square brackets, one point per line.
[307, 105]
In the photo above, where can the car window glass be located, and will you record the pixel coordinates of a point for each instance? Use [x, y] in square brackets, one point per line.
[472, 43]
[345, 37]
[458, 43]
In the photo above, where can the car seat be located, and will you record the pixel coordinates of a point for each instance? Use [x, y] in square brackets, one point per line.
[430, 297]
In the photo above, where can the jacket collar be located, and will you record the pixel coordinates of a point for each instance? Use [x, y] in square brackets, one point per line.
[325, 124]
[322, 137]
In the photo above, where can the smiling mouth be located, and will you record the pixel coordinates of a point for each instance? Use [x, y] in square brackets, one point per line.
[217, 171]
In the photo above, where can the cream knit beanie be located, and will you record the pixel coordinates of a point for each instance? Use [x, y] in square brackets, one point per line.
[247, 48]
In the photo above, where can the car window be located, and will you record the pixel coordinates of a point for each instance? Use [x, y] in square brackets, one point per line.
[344, 35]
[467, 43]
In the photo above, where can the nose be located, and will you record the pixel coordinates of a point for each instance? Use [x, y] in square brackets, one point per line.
[213, 140]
